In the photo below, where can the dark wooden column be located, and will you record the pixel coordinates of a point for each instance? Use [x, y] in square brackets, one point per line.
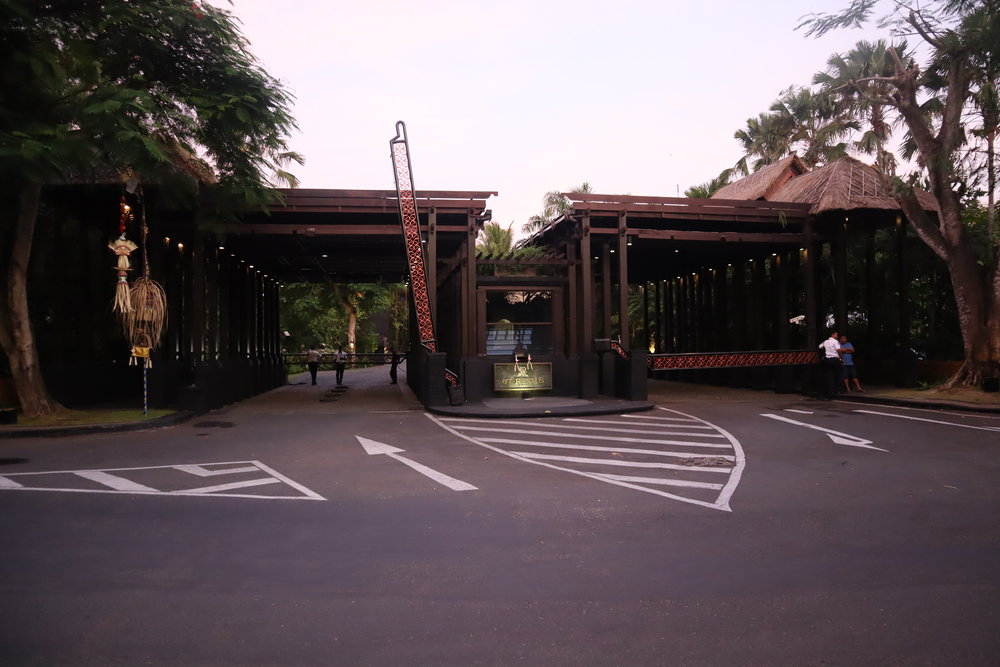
[810, 262]
[839, 257]
[623, 323]
[468, 314]
[586, 288]
[432, 252]
[780, 264]
[658, 314]
[573, 312]
[902, 285]
[720, 315]
[738, 301]
[198, 297]
[606, 309]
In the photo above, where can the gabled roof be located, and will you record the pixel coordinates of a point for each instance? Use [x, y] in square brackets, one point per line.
[764, 182]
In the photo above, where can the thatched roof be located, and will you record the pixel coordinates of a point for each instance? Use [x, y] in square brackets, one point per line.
[764, 182]
[843, 185]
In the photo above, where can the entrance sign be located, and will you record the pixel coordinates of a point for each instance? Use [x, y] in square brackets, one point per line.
[522, 376]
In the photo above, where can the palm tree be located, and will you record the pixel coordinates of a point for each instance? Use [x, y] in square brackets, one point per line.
[708, 188]
[857, 80]
[799, 120]
[553, 206]
[494, 241]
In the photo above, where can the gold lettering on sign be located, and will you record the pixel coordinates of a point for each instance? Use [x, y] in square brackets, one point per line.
[509, 377]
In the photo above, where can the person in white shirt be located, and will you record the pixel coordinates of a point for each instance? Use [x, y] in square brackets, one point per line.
[831, 363]
[312, 361]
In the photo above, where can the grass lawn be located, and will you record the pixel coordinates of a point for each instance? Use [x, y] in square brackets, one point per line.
[92, 416]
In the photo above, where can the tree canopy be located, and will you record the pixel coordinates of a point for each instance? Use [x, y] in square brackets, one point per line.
[96, 91]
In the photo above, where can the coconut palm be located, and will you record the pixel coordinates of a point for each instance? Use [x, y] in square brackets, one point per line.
[494, 241]
[553, 205]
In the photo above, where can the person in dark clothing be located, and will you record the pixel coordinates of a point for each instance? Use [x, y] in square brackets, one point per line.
[393, 363]
[831, 363]
[340, 363]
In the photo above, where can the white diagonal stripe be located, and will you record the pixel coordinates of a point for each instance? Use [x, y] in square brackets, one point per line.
[683, 443]
[233, 485]
[537, 424]
[113, 481]
[653, 425]
[663, 481]
[594, 448]
[659, 419]
[624, 464]
[202, 471]
[9, 484]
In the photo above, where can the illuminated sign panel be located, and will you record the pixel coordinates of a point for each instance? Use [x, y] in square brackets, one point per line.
[522, 376]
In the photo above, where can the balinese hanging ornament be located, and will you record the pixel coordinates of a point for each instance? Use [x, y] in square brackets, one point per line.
[122, 247]
[146, 317]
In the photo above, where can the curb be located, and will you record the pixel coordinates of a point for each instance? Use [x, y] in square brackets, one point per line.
[84, 429]
[920, 403]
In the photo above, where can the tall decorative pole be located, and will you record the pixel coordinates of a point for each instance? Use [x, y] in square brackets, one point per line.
[410, 221]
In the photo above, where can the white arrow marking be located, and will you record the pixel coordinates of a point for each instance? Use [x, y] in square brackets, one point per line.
[373, 447]
[836, 436]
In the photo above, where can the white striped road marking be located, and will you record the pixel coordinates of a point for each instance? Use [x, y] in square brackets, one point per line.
[932, 421]
[836, 436]
[202, 471]
[658, 419]
[119, 482]
[662, 481]
[623, 464]
[632, 423]
[373, 447]
[560, 424]
[801, 412]
[113, 481]
[555, 435]
[587, 436]
[595, 448]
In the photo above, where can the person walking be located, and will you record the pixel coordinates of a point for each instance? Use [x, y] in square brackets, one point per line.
[831, 363]
[312, 361]
[393, 364]
[339, 363]
[848, 371]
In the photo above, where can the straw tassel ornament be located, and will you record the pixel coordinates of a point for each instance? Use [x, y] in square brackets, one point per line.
[123, 248]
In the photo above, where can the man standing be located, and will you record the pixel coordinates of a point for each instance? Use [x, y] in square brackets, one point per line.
[831, 363]
[340, 362]
[848, 371]
[312, 361]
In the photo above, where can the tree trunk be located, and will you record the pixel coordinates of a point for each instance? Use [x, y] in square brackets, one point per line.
[15, 323]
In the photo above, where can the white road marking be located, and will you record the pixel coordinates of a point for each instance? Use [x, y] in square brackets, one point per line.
[373, 447]
[646, 431]
[801, 412]
[113, 481]
[633, 423]
[623, 464]
[643, 484]
[585, 436]
[836, 436]
[234, 485]
[119, 483]
[659, 419]
[932, 421]
[662, 481]
[595, 448]
[202, 471]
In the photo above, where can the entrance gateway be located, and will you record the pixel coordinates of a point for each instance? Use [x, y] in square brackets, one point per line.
[622, 286]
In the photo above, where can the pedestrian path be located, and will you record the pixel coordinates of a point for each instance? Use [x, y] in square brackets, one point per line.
[664, 452]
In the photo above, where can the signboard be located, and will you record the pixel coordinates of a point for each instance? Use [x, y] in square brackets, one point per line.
[522, 376]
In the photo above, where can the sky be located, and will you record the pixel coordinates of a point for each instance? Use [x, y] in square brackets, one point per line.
[527, 96]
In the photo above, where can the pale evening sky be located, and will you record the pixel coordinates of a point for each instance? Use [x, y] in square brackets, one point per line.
[526, 96]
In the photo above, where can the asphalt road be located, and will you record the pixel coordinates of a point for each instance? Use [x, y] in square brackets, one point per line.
[752, 529]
